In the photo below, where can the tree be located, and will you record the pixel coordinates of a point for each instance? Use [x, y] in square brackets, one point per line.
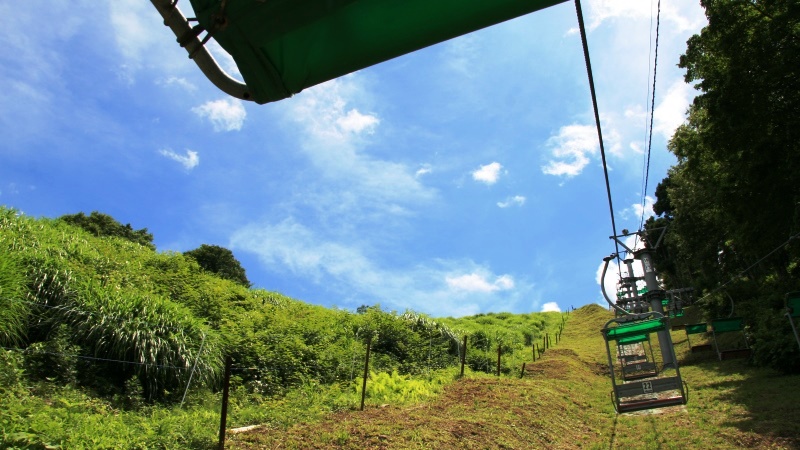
[219, 260]
[733, 198]
[746, 121]
[102, 225]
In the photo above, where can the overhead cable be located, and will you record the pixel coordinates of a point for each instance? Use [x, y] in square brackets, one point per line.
[652, 113]
[597, 121]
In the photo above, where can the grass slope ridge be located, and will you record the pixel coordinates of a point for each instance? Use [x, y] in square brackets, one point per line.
[563, 402]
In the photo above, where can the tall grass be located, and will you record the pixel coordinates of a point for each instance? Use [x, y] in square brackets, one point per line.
[13, 311]
[161, 338]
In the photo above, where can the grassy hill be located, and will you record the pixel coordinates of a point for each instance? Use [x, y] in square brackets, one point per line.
[108, 343]
[563, 401]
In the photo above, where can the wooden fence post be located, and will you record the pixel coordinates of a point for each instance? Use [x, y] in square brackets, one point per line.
[223, 420]
[366, 373]
[498, 359]
[463, 355]
[522, 372]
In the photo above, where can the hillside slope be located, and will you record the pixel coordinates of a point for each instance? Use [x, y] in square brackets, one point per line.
[563, 402]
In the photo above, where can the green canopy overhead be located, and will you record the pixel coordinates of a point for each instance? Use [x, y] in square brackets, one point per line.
[284, 46]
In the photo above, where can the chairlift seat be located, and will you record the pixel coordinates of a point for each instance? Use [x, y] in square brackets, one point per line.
[793, 312]
[639, 370]
[635, 393]
[793, 304]
[696, 328]
[719, 326]
[643, 393]
[730, 325]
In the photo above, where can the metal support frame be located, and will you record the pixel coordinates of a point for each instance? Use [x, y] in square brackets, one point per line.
[188, 37]
[791, 312]
[654, 293]
[794, 328]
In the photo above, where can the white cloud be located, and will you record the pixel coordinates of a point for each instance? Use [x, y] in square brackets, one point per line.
[645, 211]
[475, 282]
[571, 149]
[189, 161]
[424, 170]
[226, 114]
[180, 82]
[671, 112]
[488, 174]
[440, 287]
[600, 11]
[517, 200]
[460, 55]
[333, 137]
[355, 122]
[551, 307]
[132, 22]
[636, 210]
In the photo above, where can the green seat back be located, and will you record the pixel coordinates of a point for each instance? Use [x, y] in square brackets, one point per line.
[635, 328]
[793, 304]
[635, 339]
[727, 325]
[696, 328]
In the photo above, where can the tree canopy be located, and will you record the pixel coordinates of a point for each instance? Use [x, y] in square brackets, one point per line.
[102, 225]
[732, 198]
[219, 260]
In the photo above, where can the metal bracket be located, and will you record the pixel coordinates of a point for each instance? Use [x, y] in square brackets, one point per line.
[188, 38]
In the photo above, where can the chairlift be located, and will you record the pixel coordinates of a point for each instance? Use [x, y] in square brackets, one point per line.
[698, 328]
[738, 348]
[283, 47]
[660, 390]
[734, 344]
[676, 300]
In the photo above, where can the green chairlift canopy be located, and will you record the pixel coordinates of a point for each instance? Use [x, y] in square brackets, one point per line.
[284, 46]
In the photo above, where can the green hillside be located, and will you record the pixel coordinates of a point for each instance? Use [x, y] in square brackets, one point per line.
[93, 313]
[563, 402]
[108, 343]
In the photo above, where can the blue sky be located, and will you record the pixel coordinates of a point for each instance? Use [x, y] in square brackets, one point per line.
[459, 179]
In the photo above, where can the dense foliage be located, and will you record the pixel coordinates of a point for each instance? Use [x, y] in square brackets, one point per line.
[220, 261]
[732, 202]
[101, 224]
[99, 319]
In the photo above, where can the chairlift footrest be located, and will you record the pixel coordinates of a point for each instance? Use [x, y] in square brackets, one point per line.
[734, 354]
[702, 348]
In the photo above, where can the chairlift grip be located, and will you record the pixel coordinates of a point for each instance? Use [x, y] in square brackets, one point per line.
[607, 260]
